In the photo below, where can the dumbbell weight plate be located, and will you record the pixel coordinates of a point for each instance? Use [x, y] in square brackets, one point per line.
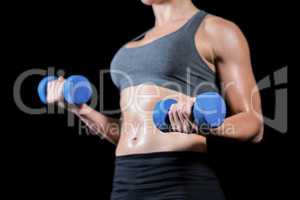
[160, 115]
[77, 90]
[209, 109]
[42, 88]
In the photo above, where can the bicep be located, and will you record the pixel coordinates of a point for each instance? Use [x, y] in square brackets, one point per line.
[235, 70]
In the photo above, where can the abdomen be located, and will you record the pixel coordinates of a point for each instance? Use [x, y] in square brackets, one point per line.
[138, 131]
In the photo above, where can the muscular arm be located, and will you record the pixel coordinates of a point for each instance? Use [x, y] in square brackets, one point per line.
[233, 65]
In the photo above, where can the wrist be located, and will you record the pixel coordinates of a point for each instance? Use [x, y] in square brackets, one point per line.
[82, 109]
[78, 110]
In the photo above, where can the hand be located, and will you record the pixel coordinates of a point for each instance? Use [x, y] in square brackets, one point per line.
[55, 96]
[55, 91]
[180, 116]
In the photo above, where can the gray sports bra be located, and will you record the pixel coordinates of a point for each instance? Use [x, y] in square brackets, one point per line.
[171, 61]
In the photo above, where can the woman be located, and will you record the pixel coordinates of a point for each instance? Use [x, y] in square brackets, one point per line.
[187, 52]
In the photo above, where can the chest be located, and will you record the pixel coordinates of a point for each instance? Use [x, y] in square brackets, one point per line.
[160, 56]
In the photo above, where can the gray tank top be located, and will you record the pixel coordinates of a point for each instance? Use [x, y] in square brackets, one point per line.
[171, 61]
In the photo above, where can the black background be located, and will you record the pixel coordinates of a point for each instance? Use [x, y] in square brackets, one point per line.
[46, 158]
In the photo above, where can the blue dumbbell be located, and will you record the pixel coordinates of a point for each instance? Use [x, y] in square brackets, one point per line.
[76, 89]
[209, 110]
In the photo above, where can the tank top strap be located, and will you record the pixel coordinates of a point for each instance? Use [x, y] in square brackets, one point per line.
[194, 23]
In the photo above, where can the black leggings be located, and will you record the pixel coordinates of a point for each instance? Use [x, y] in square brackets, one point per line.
[165, 175]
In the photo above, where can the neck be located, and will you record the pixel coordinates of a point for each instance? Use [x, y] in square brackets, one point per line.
[172, 10]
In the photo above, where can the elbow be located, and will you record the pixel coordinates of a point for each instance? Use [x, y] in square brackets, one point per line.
[252, 129]
[258, 130]
[258, 136]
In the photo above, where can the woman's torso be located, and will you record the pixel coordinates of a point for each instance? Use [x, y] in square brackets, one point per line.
[145, 73]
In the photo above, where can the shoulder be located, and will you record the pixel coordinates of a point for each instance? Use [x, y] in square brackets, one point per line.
[219, 27]
[224, 34]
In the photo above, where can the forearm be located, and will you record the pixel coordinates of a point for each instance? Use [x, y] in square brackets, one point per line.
[107, 127]
[244, 126]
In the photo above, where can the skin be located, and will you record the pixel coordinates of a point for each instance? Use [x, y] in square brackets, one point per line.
[224, 48]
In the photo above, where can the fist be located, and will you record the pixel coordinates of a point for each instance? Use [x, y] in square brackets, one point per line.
[55, 91]
[180, 116]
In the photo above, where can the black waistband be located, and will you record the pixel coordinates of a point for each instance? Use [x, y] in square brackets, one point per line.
[166, 154]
